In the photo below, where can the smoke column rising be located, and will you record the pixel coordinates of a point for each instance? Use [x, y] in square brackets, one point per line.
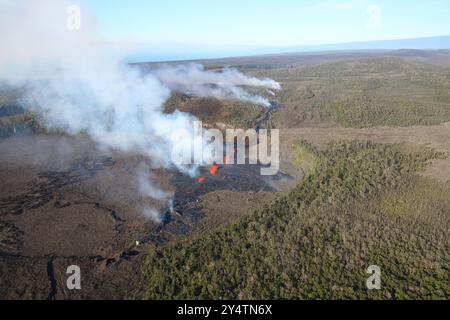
[80, 85]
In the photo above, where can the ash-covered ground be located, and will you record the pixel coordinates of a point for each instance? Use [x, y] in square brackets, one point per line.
[65, 202]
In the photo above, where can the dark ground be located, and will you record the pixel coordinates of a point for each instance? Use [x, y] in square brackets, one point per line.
[81, 208]
[64, 202]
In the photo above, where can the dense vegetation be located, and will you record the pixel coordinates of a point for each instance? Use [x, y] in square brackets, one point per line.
[358, 207]
[365, 93]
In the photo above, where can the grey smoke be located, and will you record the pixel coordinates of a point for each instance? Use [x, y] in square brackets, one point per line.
[148, 189]
[81, 86]
[152, 214]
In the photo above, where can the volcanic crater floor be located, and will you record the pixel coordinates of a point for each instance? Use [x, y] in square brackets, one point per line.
[65, 202]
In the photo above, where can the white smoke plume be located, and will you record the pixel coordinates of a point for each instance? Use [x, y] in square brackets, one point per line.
[80, 85]
[152, 214]
[194, 79]
[146, 188]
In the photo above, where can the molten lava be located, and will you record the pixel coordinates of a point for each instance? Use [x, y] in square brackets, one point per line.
[201, 180]
[214, 170]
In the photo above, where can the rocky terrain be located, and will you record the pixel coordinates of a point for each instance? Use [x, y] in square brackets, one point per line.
[64, 201]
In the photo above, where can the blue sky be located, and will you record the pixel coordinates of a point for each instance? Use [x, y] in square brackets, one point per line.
[177, 27]
[268, 22]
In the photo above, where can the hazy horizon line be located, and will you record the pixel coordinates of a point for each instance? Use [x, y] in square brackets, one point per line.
[167, 54]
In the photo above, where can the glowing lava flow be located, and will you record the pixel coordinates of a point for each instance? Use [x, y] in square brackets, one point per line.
[201, 180]
[214, 170]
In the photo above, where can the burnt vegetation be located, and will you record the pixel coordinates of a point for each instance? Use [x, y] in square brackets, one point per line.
[214, 112]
